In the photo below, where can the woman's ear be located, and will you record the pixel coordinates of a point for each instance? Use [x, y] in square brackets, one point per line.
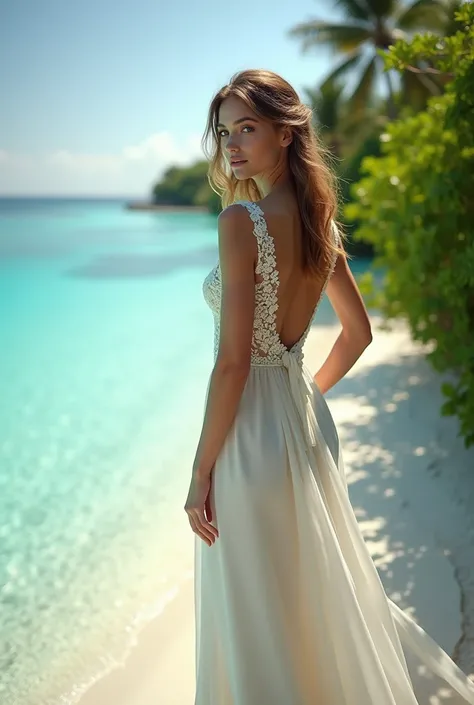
[286, 137]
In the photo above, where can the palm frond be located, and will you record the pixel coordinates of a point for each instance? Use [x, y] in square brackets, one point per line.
[421, 15]
[354, 8]
[344, 37]
[361, 95]
[326, 106]
[340, 70]
[382, 9]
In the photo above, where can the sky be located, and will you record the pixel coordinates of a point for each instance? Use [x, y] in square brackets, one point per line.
[99, 97]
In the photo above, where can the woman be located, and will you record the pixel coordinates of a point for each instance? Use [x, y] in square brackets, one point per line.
[290, 609]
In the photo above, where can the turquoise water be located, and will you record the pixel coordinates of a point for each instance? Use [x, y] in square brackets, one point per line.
[105, 356]
[106, 349]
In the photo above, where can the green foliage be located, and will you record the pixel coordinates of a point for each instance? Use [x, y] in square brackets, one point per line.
[207, 197]
[349, 173]
[367, 29]
[186, 186]
[350, 170]
[415, 205]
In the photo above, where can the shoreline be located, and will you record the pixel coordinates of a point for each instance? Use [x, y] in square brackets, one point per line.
[404, 463]
[163, 652]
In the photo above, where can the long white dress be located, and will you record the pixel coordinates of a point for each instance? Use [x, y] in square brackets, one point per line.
[289, 607]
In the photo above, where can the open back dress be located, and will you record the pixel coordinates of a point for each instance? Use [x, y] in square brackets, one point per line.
[289, 606]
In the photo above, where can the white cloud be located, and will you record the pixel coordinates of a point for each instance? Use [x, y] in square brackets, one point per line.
[163, 146]
[131, 171]
[84, 162]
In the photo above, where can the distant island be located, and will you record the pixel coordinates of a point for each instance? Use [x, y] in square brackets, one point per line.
[181, 189]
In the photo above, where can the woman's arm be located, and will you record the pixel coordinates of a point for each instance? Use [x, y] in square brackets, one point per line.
[356, 334]
[237, 256]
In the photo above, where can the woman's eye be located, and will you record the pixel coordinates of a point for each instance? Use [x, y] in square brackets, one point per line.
[245, 127]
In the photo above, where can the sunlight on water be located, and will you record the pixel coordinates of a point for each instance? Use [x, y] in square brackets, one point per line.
[99, 418]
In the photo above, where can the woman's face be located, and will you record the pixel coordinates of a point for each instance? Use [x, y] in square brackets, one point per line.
[248, 139]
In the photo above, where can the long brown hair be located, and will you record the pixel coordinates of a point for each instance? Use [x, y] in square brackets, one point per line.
[272, 98]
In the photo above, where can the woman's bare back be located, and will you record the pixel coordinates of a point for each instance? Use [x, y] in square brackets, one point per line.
[298, 293]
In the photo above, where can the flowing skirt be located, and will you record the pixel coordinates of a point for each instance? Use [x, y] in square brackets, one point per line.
[289, 606]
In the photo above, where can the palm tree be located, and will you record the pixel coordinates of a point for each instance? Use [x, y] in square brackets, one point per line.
[341, 128]
[327, 105]
[370, 26]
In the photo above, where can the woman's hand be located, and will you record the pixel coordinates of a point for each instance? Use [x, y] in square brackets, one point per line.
[198, 508]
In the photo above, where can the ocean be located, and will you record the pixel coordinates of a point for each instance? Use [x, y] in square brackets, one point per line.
[105, 357]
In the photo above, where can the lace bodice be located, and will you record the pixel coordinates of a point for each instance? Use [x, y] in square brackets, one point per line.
[267, 348]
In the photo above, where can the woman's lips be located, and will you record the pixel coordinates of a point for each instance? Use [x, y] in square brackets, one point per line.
[238, 163]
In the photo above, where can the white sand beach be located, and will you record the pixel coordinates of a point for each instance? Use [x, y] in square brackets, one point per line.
[411, 483]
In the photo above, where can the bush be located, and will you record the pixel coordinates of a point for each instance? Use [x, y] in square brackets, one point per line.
[350, 172]
[181, 184]
[187, 186]
[416, 206]
[209, 198]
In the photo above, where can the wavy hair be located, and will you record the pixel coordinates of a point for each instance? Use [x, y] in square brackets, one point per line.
[274, 99]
